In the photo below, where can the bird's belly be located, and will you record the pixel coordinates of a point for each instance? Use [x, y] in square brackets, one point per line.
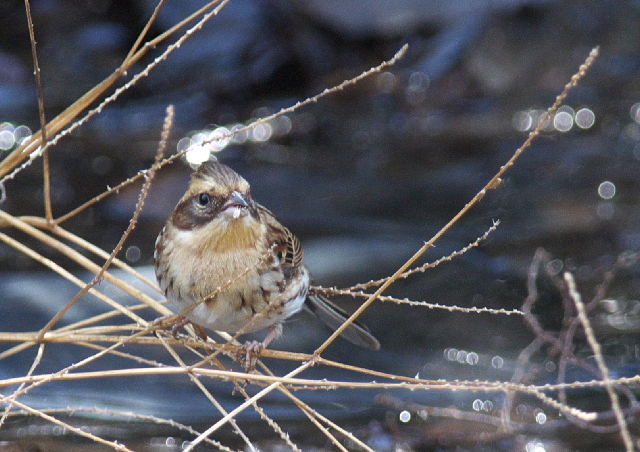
[232, 308]
[223, 316]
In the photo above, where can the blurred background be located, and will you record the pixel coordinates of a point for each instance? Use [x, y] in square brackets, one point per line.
[363, 177]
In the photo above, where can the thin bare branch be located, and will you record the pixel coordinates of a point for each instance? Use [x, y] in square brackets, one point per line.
[242, 406]
[132, 224]
[41, 111]
[71, 428]
[446, 307]
[425, 267]
[32, 149]
[595, 346]
[196, 380]
[32, 369]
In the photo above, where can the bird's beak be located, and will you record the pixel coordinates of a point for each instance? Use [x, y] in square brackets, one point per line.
[236, 200]
[236, 206]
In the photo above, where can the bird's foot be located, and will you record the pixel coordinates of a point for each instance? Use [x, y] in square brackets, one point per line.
[179, 321]
[252, 349]
[249, 353]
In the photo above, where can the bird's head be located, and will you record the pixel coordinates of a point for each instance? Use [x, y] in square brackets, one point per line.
[219, 202]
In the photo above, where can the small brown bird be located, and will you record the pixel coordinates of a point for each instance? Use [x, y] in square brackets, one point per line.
[230, 265]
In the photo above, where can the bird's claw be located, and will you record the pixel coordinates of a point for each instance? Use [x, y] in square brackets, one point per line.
[178, 321]
[249, 353]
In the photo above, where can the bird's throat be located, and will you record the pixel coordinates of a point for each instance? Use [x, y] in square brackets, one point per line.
[227, 235]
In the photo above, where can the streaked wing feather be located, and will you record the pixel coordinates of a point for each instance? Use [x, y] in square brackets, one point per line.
[289, 246]
[294, 254]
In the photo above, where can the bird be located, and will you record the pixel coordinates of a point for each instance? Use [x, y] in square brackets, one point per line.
[229, 265]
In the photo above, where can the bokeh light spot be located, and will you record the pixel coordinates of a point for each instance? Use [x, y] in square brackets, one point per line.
[555, 266]
[605, 210]
[535, 447]
[282, 125]
[239, 137]
[585, 118]
[198, 151]
[22, 133]
[522, 121]
[607, 190]
[497, 362]
[262, 132]
[7, 140]
[11, 136]
[563, 121]
[386, 82]
[450, 354]
[133, 253]
[183, 144]
[220, 138]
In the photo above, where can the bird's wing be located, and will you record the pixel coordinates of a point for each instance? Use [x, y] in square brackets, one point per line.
[285, 243]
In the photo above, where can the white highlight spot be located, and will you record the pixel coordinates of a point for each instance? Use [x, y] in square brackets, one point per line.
[262, 132]
[563, 121]
[219, 138]
[7, 140]
[22, 133]
[522, 121]
[585, 118]
[239, 137]
[607, 190]
[535, 447]
[198, 154]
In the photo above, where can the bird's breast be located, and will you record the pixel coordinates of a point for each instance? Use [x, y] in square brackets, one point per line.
[235, 282]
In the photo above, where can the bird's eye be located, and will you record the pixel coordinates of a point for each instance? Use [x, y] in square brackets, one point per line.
[203, 199]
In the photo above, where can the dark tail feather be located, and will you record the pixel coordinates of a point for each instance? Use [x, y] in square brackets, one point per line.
[332, 316]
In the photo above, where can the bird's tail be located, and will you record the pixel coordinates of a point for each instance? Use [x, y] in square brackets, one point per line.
[334, 317]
